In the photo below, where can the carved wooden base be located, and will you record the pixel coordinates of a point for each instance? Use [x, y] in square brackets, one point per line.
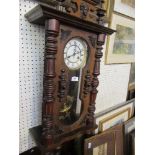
[37, 133]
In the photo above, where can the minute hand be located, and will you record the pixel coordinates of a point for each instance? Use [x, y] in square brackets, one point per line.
[74, 54]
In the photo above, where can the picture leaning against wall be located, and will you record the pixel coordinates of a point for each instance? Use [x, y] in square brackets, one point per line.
[126, 7]
[121, 45]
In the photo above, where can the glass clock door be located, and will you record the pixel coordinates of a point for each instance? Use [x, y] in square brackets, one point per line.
[75, 56]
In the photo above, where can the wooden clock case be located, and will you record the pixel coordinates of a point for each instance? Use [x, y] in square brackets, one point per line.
[60, 27]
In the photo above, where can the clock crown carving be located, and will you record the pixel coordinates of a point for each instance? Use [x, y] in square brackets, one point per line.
[89, 10]
[74, 36]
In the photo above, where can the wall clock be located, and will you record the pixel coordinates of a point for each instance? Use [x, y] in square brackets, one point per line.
[75, 53]
[74, 35]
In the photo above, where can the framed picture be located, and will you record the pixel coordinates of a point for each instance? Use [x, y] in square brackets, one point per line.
[131, 85]
[114, 111]
[132, 143]
[91, 145]
[129, 127]
[112, 139]
[108, 6]
[114, 119]
[121, 45]
[126, 7]
[132, 74]
[132, 77]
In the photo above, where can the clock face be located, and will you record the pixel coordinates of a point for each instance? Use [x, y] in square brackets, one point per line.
[75, 53]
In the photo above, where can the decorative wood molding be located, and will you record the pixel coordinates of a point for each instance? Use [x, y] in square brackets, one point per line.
[41, 12]
[71, 6]
[87, 83]
[65, 34]
[84, 9]
[92, 40]
[62, 86]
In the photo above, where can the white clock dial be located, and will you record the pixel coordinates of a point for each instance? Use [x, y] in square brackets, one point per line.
[75, 53]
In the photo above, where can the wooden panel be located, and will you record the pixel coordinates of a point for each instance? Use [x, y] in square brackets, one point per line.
[113, 137]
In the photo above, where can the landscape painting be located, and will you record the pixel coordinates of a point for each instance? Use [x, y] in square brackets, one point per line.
[124, 40]
[121, 45]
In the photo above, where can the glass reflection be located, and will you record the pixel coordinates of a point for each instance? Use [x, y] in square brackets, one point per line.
[71, 110]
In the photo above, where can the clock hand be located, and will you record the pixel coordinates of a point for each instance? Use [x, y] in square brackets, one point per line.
[74, 54]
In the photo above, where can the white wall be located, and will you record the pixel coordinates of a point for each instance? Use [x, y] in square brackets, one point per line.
[113, 85]
[113, 78]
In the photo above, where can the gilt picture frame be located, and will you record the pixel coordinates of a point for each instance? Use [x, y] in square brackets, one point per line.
[114, 119]
[126, 7]
[108, 6]
[109, 113]
[120, 47]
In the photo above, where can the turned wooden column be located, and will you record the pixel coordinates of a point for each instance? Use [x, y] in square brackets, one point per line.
[51, 34]
[95, 81]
